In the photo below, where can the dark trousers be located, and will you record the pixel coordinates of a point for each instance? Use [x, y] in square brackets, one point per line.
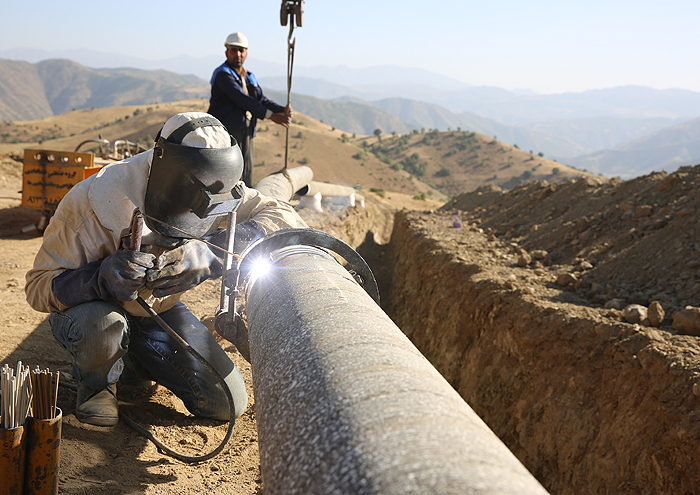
[98, 335]
[245, 141]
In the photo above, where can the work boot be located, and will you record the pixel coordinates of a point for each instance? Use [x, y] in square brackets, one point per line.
[97, 407]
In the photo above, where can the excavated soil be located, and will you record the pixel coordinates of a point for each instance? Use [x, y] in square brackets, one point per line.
[522, 308]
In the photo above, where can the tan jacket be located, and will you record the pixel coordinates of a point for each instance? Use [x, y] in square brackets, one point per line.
[90, 219]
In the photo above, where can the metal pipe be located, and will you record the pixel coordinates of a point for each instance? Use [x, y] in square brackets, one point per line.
[326, 190]
[283, 185]
[345, 403]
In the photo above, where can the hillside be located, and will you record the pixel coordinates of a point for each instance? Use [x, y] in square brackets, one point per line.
[460, 161]
[350, 116]
[52, 87]
[431, 164]
[666, 149]
[594, 130]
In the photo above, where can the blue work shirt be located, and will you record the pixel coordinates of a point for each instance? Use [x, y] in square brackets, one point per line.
[229, 103]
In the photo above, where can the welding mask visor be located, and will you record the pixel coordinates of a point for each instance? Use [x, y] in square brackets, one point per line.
[180, 174]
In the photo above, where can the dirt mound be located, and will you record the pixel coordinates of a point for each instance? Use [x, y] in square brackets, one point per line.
[629, 242]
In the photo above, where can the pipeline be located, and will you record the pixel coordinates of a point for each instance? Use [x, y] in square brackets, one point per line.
[313, 187]
[283, 185]
[345, 403]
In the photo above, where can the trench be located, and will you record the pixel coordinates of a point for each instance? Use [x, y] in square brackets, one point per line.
[588, 405]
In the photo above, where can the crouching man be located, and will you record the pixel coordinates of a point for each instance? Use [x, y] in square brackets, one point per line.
[88, 279]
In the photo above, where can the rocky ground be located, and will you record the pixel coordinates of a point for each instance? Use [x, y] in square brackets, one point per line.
[557, 311]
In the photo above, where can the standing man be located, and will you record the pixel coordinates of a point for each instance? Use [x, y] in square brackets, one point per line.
[238, 101]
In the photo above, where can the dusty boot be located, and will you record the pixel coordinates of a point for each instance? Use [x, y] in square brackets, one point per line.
[97, 407]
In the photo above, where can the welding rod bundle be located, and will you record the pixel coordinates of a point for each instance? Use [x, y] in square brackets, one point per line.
[16, 395]
[30, 431]
[26, 392]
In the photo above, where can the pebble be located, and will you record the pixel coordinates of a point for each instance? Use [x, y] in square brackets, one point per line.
[615, 304]
[524, 259]
[687, 321]
[635, 313]
[656, 313]
[643, 211]
[540, 254]
[564, 279]
[583, 266]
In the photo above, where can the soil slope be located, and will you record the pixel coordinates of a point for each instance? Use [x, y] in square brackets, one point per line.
[522, 310]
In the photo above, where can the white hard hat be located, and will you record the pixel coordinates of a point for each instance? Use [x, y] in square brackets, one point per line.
[237, 39]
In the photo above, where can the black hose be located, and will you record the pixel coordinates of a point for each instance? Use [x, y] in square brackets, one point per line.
[161, 446]
[232, 408]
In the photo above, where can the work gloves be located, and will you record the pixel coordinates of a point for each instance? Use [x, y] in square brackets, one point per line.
[125, 273]
[183, 268]
[193, 262]
[119, 276]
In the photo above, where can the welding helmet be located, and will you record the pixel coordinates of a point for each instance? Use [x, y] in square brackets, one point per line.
[194, 155]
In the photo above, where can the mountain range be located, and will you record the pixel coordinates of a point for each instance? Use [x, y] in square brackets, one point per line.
[624, 131]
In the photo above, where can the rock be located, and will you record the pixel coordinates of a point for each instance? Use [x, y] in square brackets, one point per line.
[583, 266]
[687, 321]
[615, 304]
[643, 211]
[540, 254]
[564, 279]
[524, 259]
[656, 313]
[669, 182]
[660, 223]
[635, 313]
[582, 224]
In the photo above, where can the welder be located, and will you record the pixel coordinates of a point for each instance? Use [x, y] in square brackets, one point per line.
[88, 279]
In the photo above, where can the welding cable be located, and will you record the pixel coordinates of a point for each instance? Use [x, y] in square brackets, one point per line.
[135, 244]
[232, 408]
[162, 448]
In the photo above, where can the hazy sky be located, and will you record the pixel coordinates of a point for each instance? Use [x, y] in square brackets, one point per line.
[542, 45]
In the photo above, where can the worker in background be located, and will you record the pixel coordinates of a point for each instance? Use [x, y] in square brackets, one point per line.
[237, 100]
[86, 276]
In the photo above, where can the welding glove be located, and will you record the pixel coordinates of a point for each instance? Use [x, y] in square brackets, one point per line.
[119, 276]
[183, 268]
